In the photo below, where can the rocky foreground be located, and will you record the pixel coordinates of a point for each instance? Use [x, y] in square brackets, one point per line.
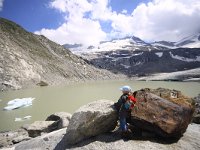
[160, 120]
[113, 141]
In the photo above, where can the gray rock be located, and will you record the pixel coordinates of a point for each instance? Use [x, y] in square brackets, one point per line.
[42, 83]
[196, 115]
[90, 120]
[62, 119]
[11, 137]
[47, 141]
[112, 141]
[38, 127]
[20, 139]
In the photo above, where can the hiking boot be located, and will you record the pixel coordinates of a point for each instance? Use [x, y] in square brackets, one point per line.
[126, 135]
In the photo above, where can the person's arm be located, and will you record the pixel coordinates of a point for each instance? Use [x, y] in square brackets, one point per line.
[121, 101]
[124, 98]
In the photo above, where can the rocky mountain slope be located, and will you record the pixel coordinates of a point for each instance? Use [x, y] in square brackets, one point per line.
[27, 59]
[134, 57]
[142, 62]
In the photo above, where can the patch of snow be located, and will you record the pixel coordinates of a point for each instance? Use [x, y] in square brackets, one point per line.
[18, 103]
[137, 54]
[172, 75]
[159, 54]
[192, 45]
[138, 63]
[125, 66]
[184, 58]
[162, 45]
[192, 79]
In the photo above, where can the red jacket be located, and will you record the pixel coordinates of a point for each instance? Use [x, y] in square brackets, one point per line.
[133, 99]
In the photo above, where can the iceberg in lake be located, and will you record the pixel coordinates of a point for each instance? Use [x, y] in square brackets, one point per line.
[18, 103]
[23, 119]
[18, 119]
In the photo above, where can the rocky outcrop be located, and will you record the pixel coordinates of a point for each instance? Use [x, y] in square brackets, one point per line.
[54, 122]
[162, 111]
[62, 119]
[48, 141]
[90, 120]
[13, 137]
[55, 140]
[39, 127]
[196, 116]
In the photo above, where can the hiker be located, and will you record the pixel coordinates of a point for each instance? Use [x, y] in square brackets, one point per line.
[124, 105]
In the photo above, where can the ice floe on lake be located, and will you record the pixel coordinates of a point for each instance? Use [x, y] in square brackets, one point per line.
[23, 119]
[18, 103]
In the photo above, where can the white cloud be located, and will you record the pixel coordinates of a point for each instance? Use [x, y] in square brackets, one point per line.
[124, 11]
[166, 19]
[157, 20]
[1, 4]
[83, 31]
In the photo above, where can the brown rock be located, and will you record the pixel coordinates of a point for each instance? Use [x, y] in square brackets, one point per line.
[167, 115]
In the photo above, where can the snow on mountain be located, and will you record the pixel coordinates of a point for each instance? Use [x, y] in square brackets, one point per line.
[127, 43]
[192, 41]
[185, 58]
[159, 54]
[166, 44]
[186, 75]
[135, 44]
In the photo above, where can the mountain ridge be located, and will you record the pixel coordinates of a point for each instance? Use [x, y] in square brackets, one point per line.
[26, 59]
[192, 41]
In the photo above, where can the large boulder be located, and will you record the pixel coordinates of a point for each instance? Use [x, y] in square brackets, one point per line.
[162, 111]
[196, 115]
[91, 120]
[62, 119]
[38, 127]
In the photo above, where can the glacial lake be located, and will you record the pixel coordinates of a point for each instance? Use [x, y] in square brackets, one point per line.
[69, 98]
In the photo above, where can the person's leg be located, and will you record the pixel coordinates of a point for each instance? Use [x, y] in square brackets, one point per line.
[123, 123]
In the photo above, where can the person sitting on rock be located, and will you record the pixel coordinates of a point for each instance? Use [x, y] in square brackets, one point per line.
[124, 106]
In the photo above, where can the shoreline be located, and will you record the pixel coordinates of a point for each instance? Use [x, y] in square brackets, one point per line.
[68, 83]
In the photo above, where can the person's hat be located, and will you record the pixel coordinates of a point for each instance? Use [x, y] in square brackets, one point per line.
[126, 88]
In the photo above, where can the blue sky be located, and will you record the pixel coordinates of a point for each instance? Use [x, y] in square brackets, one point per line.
[31, 14]
[34, 15]
[91, 21]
